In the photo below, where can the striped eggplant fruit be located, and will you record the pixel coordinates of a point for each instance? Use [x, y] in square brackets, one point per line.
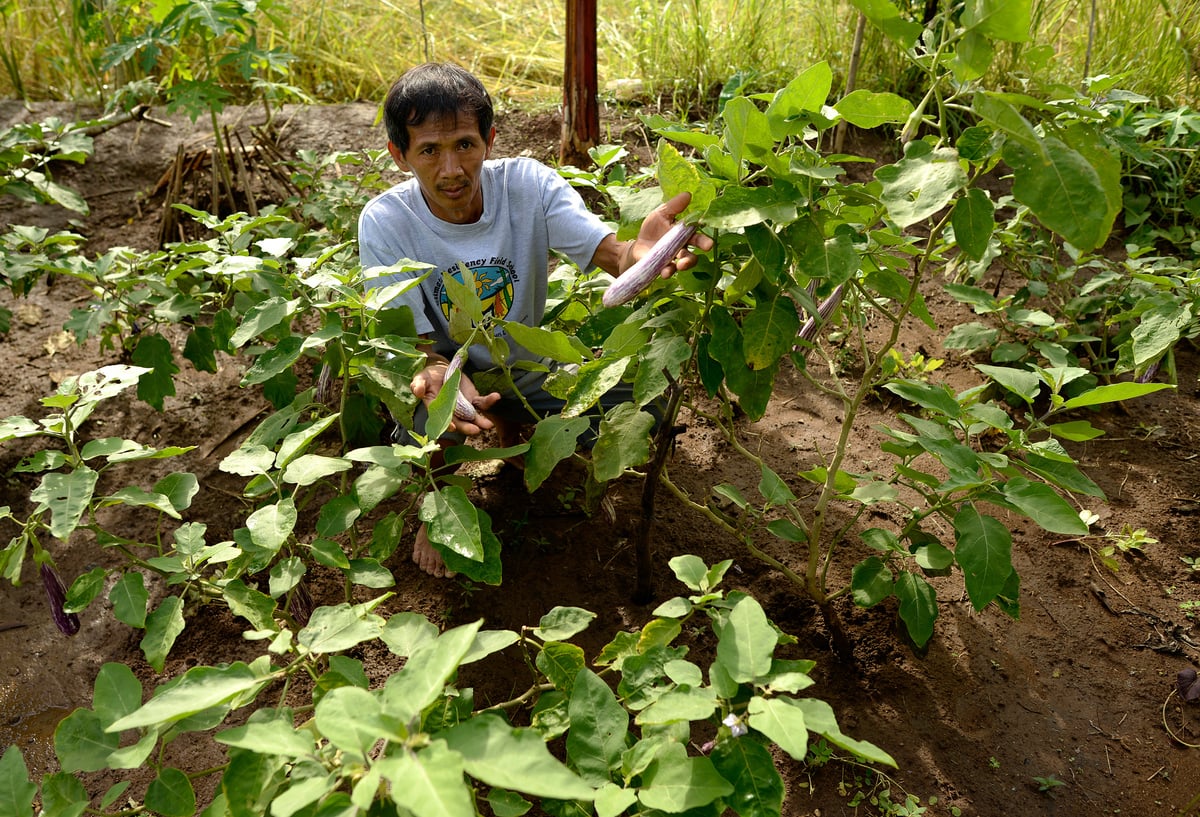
[642, 274]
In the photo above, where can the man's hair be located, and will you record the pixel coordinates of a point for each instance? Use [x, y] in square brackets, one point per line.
[435, 89]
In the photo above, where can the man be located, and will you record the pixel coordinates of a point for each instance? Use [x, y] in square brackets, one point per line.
[498, 218]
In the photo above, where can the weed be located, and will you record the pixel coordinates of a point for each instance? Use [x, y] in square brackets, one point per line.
[1048, 783]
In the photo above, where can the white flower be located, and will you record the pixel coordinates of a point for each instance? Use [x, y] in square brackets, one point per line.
[736, 727]
[1089, 517]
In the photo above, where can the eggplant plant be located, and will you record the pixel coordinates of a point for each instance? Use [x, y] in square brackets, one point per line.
[792, 231]
[642, 727]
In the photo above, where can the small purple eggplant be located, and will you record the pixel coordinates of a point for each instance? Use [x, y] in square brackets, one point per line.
[56, 596]
[463, 410]
[640, 275]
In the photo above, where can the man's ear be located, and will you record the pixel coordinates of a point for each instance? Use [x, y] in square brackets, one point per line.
[490, 141]
[398, 156]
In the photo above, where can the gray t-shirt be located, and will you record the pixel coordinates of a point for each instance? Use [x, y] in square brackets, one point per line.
[528, 210]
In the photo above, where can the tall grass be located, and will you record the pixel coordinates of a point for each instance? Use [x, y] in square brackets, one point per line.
[681, 50]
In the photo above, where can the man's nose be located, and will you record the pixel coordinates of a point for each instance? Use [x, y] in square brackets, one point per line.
[451, 163]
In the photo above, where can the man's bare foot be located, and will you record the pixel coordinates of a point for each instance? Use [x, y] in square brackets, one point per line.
[427, 558]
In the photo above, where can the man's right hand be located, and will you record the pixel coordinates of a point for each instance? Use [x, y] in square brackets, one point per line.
[428, 382]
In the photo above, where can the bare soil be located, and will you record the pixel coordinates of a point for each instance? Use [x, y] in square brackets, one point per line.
[1079, 688]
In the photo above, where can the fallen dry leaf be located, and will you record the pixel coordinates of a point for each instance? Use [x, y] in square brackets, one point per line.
[29, 314]
[58, 342]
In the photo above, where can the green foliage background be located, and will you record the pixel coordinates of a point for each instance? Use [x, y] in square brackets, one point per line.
[681, 50]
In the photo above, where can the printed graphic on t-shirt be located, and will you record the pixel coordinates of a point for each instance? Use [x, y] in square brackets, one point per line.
[494, 280]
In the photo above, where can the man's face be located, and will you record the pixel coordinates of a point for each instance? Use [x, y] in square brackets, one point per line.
[446, 154]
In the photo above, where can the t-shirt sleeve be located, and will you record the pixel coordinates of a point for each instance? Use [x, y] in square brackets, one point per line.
[381, 247]
[573, 229]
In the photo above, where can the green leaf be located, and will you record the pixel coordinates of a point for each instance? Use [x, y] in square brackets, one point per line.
[278, 359]
[1064, 474]
[612, 800]
[338, 628]
[1021, 382]
[277, 736]
[62, 796]
[623, 441]
[248, 461]
[136, 497]
[272, 525]
[429, 783]
[868, 109]
[547, 343]
[117, 693]
[806, 93]
[920, 184]
[918, 606]
[758, 788]
[599, 728]
[199, 688]
[554, 439]
[871, 582]
[253, 605]
[452, 522]
[1008, 20]
[833, 260]
[563, 622]
[1113, 393]
[312, 468]
[352, 720]
[424, 675]
[170, 794]
[67, 496]
[884, 15]
[984, 551]
[974, 220]
[82, 743]
[937, 398]
[773, 488]
[746, 641]
[747, 131]
[661, 357]
[16, 790]
[769, 332]
[819, 717]
[781, 720]
[690, 570]
[517, 759]
[154, 352]
[675, 782]
[680, 705]
[560, 663]
[180, 488]
[490, 570]
[1062, 189]
[200, 349]
[1078, 431]
[302, 793]
[84, 589]
[1043, 505]
[261, 317]
[972, 336]
[405, 632]
[595, 378]
[163, 626]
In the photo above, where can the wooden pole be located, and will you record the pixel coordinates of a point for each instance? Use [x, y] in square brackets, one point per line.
[581, 112]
